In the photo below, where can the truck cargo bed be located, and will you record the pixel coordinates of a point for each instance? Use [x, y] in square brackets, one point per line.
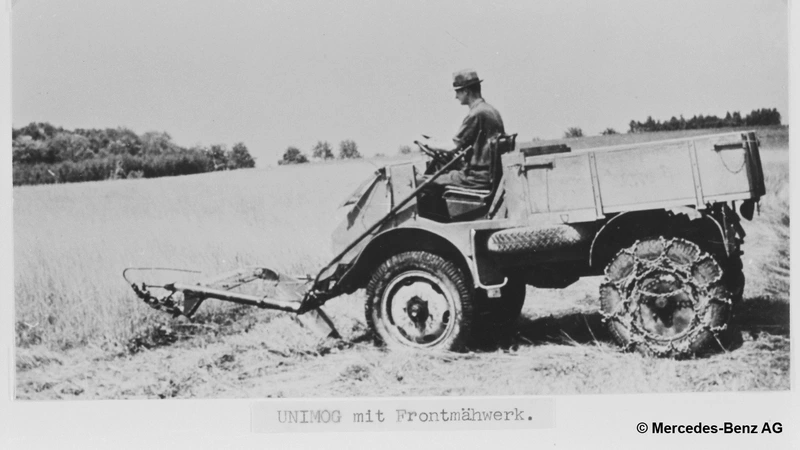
[587, 185]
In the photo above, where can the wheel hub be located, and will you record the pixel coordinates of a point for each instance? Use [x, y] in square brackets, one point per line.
[665, 305]
[417, 309]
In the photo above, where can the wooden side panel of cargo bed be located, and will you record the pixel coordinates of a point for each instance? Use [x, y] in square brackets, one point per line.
[569, 185]
[553, 188]
[722, 165]
[646, 177]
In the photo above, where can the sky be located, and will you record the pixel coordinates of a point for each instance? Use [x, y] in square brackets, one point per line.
[274, 74]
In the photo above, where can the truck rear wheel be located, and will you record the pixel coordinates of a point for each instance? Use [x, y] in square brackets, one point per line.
[666, 297]
[419, 300]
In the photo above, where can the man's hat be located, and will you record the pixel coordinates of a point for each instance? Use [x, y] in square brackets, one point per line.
[464, 78]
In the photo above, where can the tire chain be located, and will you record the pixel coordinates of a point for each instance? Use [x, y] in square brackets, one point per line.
[682, 271]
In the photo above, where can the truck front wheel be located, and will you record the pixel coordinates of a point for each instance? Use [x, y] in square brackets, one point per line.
[666, 297]
[420, 300]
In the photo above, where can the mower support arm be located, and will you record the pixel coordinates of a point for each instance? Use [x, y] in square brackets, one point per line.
[235, 297]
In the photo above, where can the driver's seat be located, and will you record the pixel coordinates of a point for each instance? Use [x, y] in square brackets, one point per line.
[470, 204]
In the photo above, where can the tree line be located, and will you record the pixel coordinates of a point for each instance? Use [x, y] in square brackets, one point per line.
[45, 154]
[758, 117]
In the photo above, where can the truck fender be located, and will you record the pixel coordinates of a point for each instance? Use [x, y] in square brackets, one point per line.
[664, 219]
[398, 240]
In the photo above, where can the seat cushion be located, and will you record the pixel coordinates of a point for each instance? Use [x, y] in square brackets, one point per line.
[467, 191]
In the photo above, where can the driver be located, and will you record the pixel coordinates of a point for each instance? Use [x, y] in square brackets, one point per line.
[483, 122]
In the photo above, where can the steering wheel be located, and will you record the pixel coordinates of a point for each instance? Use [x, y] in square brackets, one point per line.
[438, 156]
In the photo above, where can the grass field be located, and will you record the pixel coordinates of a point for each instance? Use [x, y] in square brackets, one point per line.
[82, 333]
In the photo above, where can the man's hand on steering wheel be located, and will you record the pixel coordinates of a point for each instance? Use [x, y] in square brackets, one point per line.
[438, 156]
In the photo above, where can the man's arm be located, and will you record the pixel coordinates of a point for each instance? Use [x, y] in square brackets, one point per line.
[467, 134]
[439, 146]
[469, 131]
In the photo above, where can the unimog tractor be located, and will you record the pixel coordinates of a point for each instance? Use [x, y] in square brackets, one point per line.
[659, 221]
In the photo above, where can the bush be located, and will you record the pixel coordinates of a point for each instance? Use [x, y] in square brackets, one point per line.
[609, 132]
[322, 150]
[239, 157]
[293, 155]
[219, 157]
[573, 132]
[404, 150]
[37, 131]
[348, 150]
[156, 143]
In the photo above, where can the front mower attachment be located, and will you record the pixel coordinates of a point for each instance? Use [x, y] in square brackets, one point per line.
[253, 286]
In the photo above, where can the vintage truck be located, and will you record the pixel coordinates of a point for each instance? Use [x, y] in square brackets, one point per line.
[660, 221]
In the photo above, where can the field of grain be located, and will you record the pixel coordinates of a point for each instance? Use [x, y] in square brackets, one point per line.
[81, 333]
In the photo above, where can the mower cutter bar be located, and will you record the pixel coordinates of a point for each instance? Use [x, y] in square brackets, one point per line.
[275, 291]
